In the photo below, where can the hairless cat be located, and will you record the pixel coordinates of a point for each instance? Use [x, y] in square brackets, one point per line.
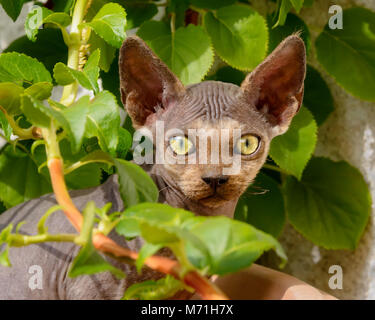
[262, 108]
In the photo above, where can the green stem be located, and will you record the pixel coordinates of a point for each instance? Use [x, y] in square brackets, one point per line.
[19, 240]
[52, 144]
[70, 91]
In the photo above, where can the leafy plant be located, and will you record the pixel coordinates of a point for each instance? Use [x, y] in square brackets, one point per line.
[327, 201]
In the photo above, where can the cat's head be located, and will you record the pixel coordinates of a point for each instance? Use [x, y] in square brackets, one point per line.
[227, 129]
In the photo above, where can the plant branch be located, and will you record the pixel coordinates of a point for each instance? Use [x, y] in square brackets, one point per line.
[106, 245]
[70, 91]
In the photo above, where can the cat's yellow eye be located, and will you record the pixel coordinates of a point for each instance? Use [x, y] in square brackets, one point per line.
[247, 145]
[181, 145]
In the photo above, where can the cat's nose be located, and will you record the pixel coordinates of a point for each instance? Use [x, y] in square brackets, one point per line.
[214, 182]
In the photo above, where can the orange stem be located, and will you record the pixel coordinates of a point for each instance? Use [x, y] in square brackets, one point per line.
[104, 244]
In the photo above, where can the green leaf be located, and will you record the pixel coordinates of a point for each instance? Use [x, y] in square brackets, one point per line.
[111, 79]
[297, 4]
[215, 245]
[293, 150]
[283, 10]
[233, 245]
[228, 74]
[211, 4]
[124, 143]
[292, 25]
[146, 251]
[318, 98]
[87, 176]
[24, 183]
[76, 116]
[4, 257]
[19, 68]
[187, 52]
[13, 7]
[138, 12]
[238, 27]
[4, 124]
[39, 16]
[39, 114]
[103, 121]
[107, 52]
[109, 23]
[49, 48]
[88, 260]
[135, 184]
[63, 5]
[348, 54]
[87, 78]
[262, 206]
[40, 90]
[10, 97]
[330, 205]
[154, 289]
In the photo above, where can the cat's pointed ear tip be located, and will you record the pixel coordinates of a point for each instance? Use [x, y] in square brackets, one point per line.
[132, 41]
[296, 41]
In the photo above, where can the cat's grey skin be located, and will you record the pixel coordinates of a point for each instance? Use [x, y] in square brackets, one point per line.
[264, 106]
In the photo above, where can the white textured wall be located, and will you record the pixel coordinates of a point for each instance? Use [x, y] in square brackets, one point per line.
[349, 134]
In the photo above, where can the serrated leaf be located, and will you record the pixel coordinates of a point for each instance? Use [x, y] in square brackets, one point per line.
[39, 16]
[317, 98]
[330, 205]
[19, 68]
[103, 121]
[87, 78]
[24, 183]
[63, 5]
[138, 12]
[13, 7]
[217, 245]
[88, 260]
[87, 176]
[292, 25]
[297, 4]
[293, 149]
[40, 90]
[135, 184]
[107, 52]
[5, 126]
[233, 245]
[10, 95]
[4, 257]
[347, 54]
[228, 74]
[76, 116]
[282, 13]
[238, 27]
[262, 206]
[187, 52]
[39, 114]
[146, 251]
[124, 143]
[49, 48]
[109, 23]
[154, 289]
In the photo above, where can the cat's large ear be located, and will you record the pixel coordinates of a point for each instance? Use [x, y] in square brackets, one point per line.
[275, 87]
[146, 83]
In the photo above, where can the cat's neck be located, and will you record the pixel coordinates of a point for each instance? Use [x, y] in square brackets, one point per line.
[170, 194]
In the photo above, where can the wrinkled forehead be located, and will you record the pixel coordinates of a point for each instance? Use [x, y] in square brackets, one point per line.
[216, 105]
[210, 100]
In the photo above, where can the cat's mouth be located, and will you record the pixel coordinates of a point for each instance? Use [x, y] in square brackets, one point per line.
[213, 200]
